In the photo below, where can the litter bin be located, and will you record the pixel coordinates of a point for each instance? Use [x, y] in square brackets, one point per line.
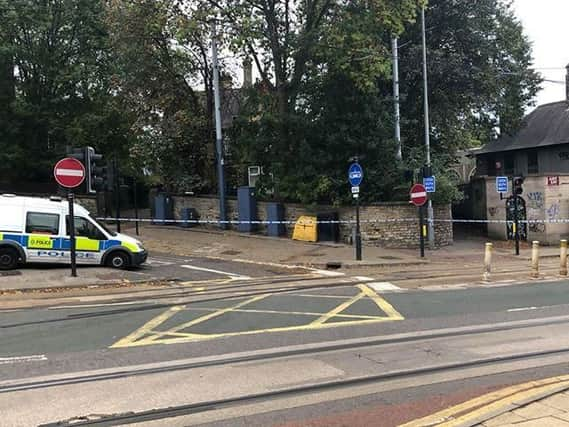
[163, 209]
[275, 212]
[328, 232]
[189, 215]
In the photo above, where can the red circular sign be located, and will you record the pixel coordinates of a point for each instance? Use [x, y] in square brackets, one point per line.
[418, 194]
[69, 172]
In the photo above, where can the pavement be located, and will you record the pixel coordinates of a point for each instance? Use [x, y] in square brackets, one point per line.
[541, 403]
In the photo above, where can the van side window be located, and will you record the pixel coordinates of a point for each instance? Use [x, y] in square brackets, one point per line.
[42, 223]
[85, 228]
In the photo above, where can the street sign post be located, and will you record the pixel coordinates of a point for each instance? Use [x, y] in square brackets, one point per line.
[430, 184]
[70, 173]
[355, 177]
[355, 174]
[502, 184]
[418, 197]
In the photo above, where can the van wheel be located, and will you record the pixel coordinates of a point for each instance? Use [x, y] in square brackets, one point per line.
[118, 260]
[9, 258]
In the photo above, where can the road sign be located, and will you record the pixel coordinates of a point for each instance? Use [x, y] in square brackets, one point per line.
[430, 184]
[502, 184]
[69, 172]
[355, 174]
[418, 195]
[355, 190]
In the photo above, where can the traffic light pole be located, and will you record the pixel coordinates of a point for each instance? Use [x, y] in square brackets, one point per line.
[71, 200]
[358, 230]
[516, 225]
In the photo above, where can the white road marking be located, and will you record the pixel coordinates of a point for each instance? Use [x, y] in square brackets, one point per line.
[329, 273]
[224, 273]
[530, 308]
[154, 261]
[22, 359]
[383, 286]
[364, 278]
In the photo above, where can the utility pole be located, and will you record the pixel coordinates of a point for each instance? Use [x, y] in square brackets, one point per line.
[431, 228]
[218, 134]
[394, 48]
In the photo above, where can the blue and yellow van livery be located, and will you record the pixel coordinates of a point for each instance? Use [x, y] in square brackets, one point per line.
[36, 230]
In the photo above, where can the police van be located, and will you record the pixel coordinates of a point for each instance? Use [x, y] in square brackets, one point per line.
[37, 230]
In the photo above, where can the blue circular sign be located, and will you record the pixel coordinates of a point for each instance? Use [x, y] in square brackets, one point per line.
[355, 174]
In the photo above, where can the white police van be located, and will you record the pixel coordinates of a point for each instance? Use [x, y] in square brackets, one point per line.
[36, 230]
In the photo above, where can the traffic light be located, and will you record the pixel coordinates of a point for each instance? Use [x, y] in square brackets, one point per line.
[517, 187]
[95, 172]
[96, 175]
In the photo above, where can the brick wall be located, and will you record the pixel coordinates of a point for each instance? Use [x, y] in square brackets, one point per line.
[374, 230]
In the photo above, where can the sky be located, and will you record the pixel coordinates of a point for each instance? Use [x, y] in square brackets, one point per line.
[546, 25]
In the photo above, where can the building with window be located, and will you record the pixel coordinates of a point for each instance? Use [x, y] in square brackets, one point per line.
[539, 153]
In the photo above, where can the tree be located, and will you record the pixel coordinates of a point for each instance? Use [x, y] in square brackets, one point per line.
[160, 54]
[301, 50]
[55, 56]
[480, 77]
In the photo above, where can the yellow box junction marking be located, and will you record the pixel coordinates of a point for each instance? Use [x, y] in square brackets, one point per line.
[150, 332]
[490, 405]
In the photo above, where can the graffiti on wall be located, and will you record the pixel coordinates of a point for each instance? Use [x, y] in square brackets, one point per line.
[535, 200]
[553, 211]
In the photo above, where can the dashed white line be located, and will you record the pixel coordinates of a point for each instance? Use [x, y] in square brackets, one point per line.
[529, 308]
[209, 270]
[22, 359]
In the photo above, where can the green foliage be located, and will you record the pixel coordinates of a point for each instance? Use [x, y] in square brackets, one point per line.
[133, 78]
[59, 96]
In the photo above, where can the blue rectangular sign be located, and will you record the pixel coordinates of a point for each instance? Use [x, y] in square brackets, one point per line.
[502, 184]
[430, 184]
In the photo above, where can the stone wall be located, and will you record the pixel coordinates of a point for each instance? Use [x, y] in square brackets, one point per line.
[544, 202]
[379, 223]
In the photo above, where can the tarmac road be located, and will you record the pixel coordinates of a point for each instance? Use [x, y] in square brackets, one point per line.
[86, 337]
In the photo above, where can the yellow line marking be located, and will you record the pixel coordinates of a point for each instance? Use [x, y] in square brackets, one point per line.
[489, 402]
[148, 334]
[381, 303]
[323, 296]
[216, 313]
[198, 337]
[302, 313]
[147, 327]
[338, 309]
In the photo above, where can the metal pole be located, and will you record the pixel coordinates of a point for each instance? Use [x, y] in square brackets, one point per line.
[430, 214]
[118, 194]
[135, 197]
[516, 225]
[218, 133]
[71, 200]
[421, 232]
[395, 51]
[358, 231]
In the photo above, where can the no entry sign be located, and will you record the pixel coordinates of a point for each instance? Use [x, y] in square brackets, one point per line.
[69, 172]
[418, 195]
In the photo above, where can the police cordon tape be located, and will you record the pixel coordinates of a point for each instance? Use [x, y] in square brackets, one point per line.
[310, 222]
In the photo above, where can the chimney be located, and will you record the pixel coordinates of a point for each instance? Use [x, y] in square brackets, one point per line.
[248, 73]
[567, 83]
